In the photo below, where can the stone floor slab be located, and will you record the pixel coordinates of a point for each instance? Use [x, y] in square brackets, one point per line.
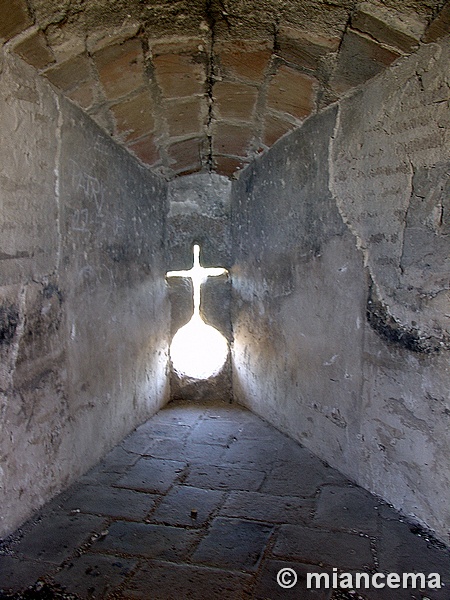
[152, 475]
[330, 548]
[188, 506]
[166, 581]
[93, 575]
[347, 508]
[233, 544]
[55, 539]
[16, 574]
[224, 478]
[267, 508]
[150, 541]
[114, 502]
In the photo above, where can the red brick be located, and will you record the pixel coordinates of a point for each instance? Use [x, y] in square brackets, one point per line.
[303, 48]
[34, 50]
[244, 59]
[292, 92]
[14, 18]
[99, 39]
[187, 46]
[234, 100]
[145, 149]
[359, 59]
[184, 116]
[186, 154]
[232, 139]
[179, 76]
[134, 117]
[70, 74]
[439, 27]
[274, 129]
[121, 68]
[225, 165]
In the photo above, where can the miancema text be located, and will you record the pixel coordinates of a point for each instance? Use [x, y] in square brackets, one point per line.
[356, 581]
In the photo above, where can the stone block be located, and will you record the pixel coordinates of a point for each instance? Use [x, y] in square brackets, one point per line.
[65, 40]
[15, 18]
[121, 68]
[212, 477]
[110, 501]
[70, 74]
[134, 116]
[34, 50]
[292, 92]
[233, 544]
[234, 100]
[225, 165]
[359, 59]
[221, 433]
[439, 27]
[189, 46]
[346, 508]
[53, 540]
[93, 575]
[187, 506]
[304, 48]
[244, 59]
[85, 94]
[386, 27]
[267, 586]
[292, 478]
[178, 75]
[17, 574]
[152, 475]
[117, 460]
[274, 129]
[185, 117]
[151, 541]
[315, 546]
[110, 36]
[267, 508]
[168, 581]
[185, 154]
[232, 139]
[145, 149]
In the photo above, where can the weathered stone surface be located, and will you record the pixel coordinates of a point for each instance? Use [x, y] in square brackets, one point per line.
[267, 508]
[179, 75]
[151, 541]
[185, 117]
[94, 575]
[15, 18]
[292, 92]
[388, 28]
[242, 58]
[16, 573]
[152, 475]
[267, 586]
[187, 506]
[68, 75]
[329, 548]
[211, 477]
[232, 139]
[34, 50]
[439, 27]
[304, 49]
[346, 508]
[167, 580]
[235, 100]
[233, 544]
[360, 58]
[121, 68]
[134, 117]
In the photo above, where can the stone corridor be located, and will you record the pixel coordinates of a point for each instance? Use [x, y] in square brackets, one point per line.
[210, 501]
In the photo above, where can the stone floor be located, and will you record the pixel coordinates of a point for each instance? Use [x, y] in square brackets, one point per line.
[209, 501]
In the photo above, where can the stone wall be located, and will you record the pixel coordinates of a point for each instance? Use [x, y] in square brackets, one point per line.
[84, 312]
[341, 288]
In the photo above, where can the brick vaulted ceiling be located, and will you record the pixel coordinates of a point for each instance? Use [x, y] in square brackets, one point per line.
[200, 85]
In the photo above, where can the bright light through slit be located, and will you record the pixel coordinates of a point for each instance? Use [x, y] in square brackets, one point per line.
[198, 350]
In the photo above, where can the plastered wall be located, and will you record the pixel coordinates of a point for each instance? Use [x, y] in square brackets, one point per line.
[84, 311]
[341, 286]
